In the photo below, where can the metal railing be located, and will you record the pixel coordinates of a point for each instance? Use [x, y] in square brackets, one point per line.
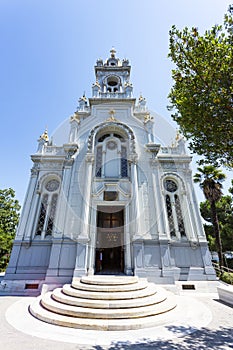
[221, 269]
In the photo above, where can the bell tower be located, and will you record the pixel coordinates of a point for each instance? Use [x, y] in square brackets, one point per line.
[112, 78]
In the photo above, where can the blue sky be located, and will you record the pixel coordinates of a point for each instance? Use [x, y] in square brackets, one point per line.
[49, 48]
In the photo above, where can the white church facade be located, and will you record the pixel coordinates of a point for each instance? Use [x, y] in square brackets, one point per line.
[111, 199]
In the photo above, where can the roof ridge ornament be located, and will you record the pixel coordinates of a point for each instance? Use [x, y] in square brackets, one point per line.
[113, 52]
[44, 136]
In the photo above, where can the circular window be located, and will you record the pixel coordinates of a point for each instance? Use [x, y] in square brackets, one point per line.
[170, 186]
[111, 145]
[52, 185]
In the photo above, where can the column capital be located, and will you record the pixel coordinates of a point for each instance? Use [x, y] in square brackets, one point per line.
[133, 159]
[90, 158]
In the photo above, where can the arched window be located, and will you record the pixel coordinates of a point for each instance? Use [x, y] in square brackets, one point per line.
[174, 210]
[111, 156]
[124, 162]
[170, 216]
[98, 171]
[47, 211]
[42, 215]
[113, 83]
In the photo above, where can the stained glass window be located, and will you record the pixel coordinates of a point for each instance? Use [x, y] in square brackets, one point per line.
[47, 209]
[42, 215]
[179, 216]
[53, 206]
[124, 162]
[170, 216]
[99, 162]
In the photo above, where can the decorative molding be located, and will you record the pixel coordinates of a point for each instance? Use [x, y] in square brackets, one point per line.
[153, 148]
[114, 126]
[51, 165]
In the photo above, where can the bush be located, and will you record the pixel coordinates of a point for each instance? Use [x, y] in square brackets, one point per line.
[227, 277]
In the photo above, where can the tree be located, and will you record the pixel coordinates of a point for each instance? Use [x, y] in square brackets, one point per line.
[202, 94]
[9, 217]
[210, 180]
[224, 209]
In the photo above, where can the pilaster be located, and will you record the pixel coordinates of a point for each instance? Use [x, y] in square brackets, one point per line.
[28, 212]
[81, 258]
[84, 231]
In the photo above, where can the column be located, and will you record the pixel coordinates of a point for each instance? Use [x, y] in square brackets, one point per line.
[62, 204]
[136, 210]
[59, 226]
[103, 163]
[83, 238]
[86, 197]
[127, 242]
[160, 209]
[187, 218]
[24, 227]
[162, 224]
[92, 243]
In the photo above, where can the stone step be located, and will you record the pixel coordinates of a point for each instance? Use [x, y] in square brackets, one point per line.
[100, 324]
[78, 284]
[117, 303]
[150, 289]
[59, 296]
[109, 280]
[84, 312]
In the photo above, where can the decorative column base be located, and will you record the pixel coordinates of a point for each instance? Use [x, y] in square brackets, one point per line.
[81, 259]
[128, 271]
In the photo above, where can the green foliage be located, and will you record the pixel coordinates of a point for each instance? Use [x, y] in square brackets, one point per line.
[202, 94]
[227, 277]
[224, 209]
[209, 179]
[9, 217]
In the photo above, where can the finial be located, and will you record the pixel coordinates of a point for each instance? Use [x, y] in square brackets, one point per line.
[178, 136]
[113, 52]
[148, 118]
[83, 98]
[45, 136]
[140, 97]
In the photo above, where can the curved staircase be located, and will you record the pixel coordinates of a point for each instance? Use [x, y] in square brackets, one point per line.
[104, 303]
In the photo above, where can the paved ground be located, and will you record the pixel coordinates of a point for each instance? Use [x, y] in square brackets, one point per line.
[217, 334]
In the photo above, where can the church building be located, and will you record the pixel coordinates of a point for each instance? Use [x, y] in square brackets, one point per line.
[111, 199]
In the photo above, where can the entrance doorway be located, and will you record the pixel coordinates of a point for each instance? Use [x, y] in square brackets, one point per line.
[109, 257]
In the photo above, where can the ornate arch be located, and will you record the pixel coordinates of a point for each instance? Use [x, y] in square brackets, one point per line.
[112, 126]
[45, 178]
[176, 178]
